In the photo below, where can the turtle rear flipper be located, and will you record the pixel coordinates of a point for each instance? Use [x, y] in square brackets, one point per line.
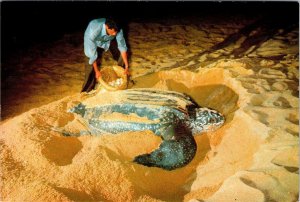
[171, 154]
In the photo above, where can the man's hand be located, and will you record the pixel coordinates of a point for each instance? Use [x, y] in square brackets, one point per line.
[126, 71]
[97, 72]
[124, 57]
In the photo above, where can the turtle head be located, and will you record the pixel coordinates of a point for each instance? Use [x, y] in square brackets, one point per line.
[206, 120]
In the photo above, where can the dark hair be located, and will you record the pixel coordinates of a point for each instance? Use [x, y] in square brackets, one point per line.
[111, 24]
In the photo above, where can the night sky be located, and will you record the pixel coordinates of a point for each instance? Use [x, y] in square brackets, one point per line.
[26, 23]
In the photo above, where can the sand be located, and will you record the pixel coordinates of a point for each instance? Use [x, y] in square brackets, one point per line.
[253, 157]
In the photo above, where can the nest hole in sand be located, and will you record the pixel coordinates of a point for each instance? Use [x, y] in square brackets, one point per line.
[174, 185]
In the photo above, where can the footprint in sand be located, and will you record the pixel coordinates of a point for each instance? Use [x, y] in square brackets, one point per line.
[258, 100]
[292, 126]
[271, 73]
[288, 159]
[282, 103]
[253, 88]
[61, 150]
[258, 115]
[279, 86]
[293, 130]
[293, 118]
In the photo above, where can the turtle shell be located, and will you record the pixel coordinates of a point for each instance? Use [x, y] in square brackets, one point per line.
[133, 110]
[143, 96]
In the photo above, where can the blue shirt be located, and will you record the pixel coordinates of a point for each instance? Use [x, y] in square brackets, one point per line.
[95, 36]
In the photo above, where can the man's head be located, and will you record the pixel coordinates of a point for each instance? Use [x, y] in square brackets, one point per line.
[111, 27]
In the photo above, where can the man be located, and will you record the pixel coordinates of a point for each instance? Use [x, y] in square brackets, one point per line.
[98, 37]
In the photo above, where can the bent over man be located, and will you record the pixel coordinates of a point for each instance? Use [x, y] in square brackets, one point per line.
[102, 35]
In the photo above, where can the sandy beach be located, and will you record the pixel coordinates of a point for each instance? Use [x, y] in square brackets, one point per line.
[240, 67]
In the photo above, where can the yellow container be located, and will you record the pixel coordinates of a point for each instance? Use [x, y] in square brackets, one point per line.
[113, 78]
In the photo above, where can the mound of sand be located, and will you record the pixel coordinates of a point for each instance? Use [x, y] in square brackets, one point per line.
[249, 157]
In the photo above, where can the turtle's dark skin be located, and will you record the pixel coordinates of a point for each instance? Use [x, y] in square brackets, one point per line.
[172, 116]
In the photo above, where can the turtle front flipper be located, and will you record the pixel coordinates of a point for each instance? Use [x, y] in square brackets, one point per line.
[173, 153]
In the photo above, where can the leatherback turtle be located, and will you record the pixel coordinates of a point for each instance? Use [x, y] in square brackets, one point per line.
[173, 116]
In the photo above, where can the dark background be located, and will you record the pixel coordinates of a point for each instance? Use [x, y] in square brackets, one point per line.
[24, 24]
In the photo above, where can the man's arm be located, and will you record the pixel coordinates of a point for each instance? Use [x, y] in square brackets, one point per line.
[97, 72]
[125, 59]
[123, 49]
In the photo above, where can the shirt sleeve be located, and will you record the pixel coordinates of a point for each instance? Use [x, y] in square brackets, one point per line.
[90, 50]
[121, 41]
[90, 46]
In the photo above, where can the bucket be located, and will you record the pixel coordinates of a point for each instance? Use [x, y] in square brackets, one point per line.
[113, 78]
